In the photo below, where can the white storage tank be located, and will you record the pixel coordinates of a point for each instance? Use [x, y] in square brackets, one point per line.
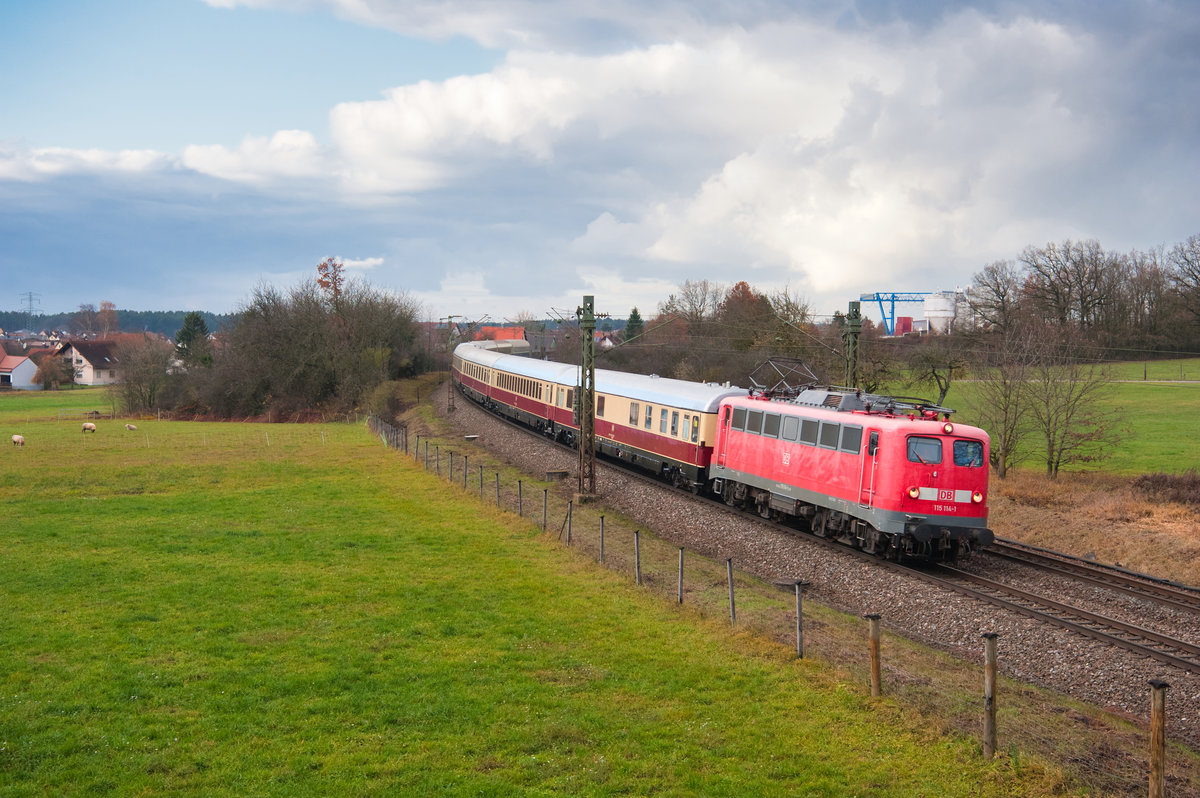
[939, 311]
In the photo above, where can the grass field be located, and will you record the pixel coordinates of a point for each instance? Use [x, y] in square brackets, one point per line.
[243, 609]
[1158, 414]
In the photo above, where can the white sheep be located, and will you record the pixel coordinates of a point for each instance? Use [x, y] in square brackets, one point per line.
[89, 426]
[18, 440]
[130, 427]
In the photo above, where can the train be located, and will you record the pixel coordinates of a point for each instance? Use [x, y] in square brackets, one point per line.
[895, 478]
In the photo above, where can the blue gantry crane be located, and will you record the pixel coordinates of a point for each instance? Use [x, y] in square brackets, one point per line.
[891, 298]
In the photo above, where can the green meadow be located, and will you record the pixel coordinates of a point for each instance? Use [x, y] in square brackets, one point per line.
[1158, 403]
[246, 609]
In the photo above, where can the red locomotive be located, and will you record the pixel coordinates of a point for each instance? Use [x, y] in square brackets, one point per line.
[893, 478]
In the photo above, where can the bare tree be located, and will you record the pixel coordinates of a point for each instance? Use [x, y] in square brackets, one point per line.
[106, 319]
[999, 401]
[1184, 262]
[142, 378]
[696, 300]
[932, 362]
[1066, 398]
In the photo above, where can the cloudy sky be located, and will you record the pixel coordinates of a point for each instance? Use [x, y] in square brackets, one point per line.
[494, 157]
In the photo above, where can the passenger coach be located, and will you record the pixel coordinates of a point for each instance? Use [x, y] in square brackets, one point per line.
[662, 425]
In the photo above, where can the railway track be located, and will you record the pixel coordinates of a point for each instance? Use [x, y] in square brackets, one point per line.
[1163, 648]
[1110, 577]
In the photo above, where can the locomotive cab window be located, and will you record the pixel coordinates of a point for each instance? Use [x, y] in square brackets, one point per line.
[968, 453]
[924, 450]
[771, 425]
[791, 428]
[739, 418]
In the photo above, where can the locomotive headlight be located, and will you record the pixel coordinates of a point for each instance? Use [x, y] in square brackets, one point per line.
[914, 492]
[977, 497]
[948, 428]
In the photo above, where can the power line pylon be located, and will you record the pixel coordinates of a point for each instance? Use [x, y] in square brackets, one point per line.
[587, 397]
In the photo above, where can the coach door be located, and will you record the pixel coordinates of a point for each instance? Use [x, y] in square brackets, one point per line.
[866, 479]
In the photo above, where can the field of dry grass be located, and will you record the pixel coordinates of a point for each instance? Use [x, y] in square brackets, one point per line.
[1109, 517]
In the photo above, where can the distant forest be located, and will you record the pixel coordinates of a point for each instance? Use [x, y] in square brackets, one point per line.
[163, 322]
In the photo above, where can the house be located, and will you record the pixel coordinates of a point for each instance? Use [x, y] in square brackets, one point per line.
[94, 362]
[17, 372]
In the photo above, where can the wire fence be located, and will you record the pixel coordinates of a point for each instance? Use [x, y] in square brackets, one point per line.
[1092, 750]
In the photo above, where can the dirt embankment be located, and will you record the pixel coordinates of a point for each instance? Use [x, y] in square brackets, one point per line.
[1103, 516]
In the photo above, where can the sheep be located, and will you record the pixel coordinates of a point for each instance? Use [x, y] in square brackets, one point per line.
[130, 427]
[89, 426]
[18, 440]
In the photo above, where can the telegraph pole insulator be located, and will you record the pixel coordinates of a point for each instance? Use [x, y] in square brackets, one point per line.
[587, 397]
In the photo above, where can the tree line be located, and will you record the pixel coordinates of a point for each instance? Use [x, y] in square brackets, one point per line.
[326, 345]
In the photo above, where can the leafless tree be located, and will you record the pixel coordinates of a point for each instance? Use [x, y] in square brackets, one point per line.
[999, 401]
[1184, 262]
[932, 362]
[1066, 398]
[142, 378]
[696, 300]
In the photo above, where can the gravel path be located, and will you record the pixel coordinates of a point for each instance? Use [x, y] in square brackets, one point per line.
[1029, 651]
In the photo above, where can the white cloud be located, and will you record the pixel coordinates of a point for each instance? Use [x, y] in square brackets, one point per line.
[288, 154]
[36, 164]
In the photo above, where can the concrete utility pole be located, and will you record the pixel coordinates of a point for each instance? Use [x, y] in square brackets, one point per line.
[586, 396]
[850, 344]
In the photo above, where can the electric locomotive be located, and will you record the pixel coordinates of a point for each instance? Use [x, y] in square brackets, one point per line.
[891, 478]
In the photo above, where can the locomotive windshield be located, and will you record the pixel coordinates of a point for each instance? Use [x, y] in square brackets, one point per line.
[924, 450]
[968, 453]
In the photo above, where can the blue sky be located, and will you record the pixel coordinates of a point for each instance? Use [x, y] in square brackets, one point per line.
[498, 157]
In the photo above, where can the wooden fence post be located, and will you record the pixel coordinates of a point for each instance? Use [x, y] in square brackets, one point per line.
[1158, 737]
[680, 574]
[545, 503]
[873, 645]
[637, 556]
[729, 574]
[989, 694]
[800, 619]
[601, 538]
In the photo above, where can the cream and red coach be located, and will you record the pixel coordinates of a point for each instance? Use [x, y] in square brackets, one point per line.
[662, 425]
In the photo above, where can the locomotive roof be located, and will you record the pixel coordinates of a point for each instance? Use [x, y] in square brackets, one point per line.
[695, 396]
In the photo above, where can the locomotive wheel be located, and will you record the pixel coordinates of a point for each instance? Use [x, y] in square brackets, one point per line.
[820, 523]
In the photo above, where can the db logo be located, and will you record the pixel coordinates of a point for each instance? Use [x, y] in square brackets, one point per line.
[945, 495]
[787, 458]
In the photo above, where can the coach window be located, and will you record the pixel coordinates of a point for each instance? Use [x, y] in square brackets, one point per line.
[662, 421]
[968, 453]
[754, 421]
[649, 416]
[600, 406]
[695, 429]
[829, 435]
[570, 397]
[635, 413]
[791, 428]
[771, 425]
[851, 439]
[924, 450]
[808, 432]
[687, 426]
[560, 398]
[675, 424]
[739, 418]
